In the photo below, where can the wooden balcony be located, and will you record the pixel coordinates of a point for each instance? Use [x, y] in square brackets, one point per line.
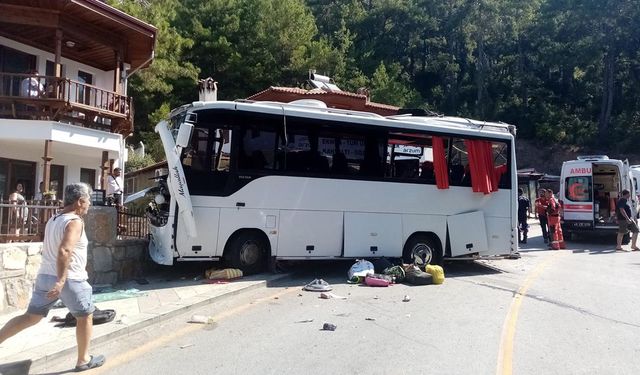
[35, 97]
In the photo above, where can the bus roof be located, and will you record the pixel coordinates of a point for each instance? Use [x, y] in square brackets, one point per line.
[444, 124]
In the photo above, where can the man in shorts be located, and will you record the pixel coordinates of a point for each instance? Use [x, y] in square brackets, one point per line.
[63, 275]
[626, 223]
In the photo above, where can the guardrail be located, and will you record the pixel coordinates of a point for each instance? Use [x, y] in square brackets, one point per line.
[25, 222]
[132, 223]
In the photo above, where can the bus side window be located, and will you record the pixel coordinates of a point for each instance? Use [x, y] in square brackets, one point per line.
[371, 165]
[458, 159]
[501, 164]
[257, 149]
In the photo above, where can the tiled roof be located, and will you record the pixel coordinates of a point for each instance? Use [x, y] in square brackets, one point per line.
[321, 92]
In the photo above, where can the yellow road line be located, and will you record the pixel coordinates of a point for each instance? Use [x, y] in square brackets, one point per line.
[190, 328]
[505, 351]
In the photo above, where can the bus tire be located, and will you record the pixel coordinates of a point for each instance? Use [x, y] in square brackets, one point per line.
[247, 251]
[427, 247]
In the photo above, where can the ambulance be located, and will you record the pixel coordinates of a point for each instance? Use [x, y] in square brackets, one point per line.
[635, 174]
[589, 190]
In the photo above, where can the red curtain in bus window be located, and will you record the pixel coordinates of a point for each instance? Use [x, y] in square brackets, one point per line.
[487, 150]
[483, 176]
[440, 163]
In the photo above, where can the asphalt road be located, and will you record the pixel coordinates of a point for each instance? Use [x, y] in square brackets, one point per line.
[575, 311]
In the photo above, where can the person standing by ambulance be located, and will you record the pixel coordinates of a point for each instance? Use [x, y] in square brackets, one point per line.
[524, 206]
[626, 222]
[555, 229]
[541, 210]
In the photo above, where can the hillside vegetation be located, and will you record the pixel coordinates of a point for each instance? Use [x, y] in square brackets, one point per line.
[566, 72]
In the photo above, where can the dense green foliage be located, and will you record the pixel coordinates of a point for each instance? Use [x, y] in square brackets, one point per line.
[563, 71]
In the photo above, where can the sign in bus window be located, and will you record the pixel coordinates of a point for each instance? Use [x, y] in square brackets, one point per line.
[578, 189]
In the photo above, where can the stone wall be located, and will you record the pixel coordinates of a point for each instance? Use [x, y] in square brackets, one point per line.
[109, 260]
[119, 261]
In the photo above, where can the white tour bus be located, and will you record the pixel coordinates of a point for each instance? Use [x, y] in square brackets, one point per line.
[251, 182]
[589, 190]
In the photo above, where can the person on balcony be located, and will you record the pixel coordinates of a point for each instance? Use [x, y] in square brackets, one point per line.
[31, 86]
[63, 275]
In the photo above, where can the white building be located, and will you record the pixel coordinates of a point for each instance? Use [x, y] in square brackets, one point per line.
[64, 109]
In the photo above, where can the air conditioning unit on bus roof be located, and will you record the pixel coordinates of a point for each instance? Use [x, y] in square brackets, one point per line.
[593, 157]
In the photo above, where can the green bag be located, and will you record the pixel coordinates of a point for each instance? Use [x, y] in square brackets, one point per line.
[395, 271]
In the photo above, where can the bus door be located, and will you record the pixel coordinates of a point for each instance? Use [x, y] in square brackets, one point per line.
[465, 240]
[372, 235]
[204, 244]
[578, 207]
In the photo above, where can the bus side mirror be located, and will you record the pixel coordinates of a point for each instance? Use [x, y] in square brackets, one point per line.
[184, 135]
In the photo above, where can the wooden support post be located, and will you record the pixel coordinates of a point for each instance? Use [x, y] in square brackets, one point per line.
[58, 66]
[104, 170]
[58, 53]
[117, 72]
[46, 173]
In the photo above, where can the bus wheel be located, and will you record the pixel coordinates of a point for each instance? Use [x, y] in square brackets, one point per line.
[247, 251]
[422, 249]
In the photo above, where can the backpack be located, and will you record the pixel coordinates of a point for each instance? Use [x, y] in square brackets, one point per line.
[99, 317]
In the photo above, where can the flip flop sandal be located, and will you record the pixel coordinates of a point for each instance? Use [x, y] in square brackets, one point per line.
[318, 285]
[94, 362]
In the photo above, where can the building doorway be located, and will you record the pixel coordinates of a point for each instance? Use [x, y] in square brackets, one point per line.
[13, 172]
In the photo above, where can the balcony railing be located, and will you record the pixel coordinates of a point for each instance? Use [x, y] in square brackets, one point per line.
[25, 222]
[61, 99]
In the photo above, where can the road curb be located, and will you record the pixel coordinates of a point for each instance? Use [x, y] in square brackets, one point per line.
[127, 330]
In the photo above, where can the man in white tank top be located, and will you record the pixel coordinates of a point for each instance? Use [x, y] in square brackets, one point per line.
[63, 275]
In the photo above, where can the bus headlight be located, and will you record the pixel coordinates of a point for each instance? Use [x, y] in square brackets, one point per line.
[159, 199]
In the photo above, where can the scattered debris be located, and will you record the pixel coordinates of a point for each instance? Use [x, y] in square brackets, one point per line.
[197, 277]
[372, 319]
[305, 321]
[329, 327]
[123, 320]
[186, 346]
[142, 281]
[110, 294]
[331, 295]
[201, 319]
[318, 285]
[299, 294]
[406, 298]
[276, 297]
